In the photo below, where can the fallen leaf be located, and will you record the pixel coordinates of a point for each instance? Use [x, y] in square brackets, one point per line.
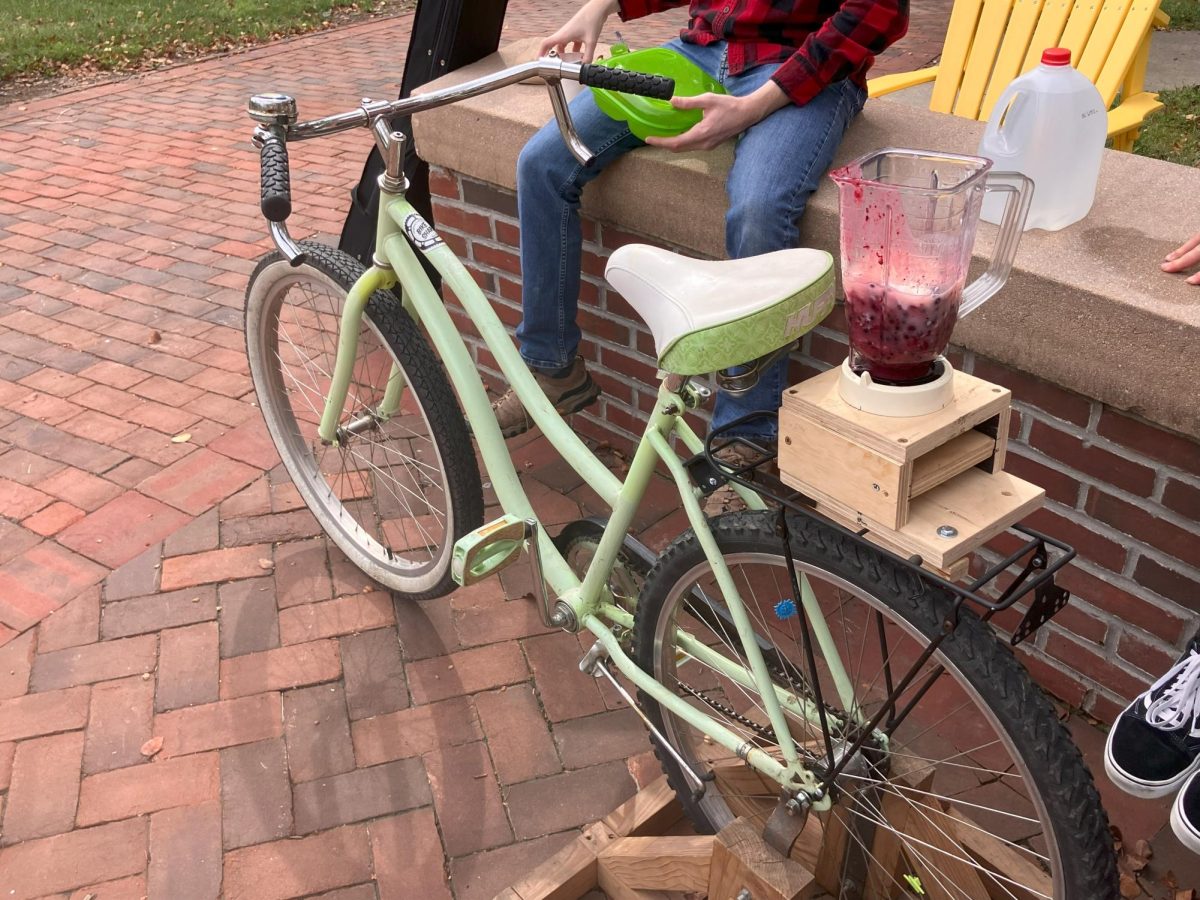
[1143, 849]
[1129, 887]
[182, 438]
[265, 564]
[152, 746]
[154, 338]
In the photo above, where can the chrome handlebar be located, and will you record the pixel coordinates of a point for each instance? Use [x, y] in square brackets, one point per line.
[550, 69]
[276, 117]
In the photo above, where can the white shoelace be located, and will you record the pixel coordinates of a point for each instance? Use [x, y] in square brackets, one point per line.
[1179, 704]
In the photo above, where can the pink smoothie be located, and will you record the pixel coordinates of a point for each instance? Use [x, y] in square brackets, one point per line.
[896, 335]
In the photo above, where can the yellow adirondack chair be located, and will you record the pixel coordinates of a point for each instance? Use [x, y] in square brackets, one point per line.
[991, 42]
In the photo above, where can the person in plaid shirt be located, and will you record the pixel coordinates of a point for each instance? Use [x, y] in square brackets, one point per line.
[795, 72]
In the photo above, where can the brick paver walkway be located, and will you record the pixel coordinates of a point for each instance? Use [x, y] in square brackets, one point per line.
[197, 695]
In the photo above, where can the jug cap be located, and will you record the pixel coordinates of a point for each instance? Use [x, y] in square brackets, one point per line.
[1056, 56]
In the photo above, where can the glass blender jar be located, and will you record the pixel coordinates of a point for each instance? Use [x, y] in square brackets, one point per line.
[908, 221]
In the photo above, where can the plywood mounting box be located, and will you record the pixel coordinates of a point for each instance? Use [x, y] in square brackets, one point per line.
[930, 485]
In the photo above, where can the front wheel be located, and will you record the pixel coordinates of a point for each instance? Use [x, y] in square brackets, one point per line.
[977, 793]
[400, 485]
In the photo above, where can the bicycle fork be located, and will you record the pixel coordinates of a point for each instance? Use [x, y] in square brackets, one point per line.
[372, 280]
[377, 277]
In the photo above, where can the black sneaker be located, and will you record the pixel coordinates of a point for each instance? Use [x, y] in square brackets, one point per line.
[1185, 815]
[1155, 745]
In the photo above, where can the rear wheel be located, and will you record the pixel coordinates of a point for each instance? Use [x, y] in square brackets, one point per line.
[978, 793]
[394, 492]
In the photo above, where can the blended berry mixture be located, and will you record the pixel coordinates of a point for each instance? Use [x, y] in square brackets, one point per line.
[896, 335]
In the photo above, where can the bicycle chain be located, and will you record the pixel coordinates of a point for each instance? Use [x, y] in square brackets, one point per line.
[761, 730]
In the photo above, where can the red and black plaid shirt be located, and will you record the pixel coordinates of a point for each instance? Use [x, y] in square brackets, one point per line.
[818, 41]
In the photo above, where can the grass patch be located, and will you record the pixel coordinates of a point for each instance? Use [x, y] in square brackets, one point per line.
[47, 37]
[1173, 133]
[1185, 14]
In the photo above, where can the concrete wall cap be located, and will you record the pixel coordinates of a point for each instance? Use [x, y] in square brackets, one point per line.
[1086, 307]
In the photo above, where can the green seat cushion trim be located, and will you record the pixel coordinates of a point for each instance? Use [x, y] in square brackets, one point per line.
[742, 340]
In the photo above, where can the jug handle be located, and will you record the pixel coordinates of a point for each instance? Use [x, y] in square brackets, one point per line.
[1010, 101]
[1019, 189]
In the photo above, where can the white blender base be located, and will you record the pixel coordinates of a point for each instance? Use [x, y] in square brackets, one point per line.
[861, 392]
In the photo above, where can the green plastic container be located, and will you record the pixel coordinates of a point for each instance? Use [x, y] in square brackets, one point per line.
[647, 116]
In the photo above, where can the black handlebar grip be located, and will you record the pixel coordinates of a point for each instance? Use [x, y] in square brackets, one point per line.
[627, 82]
[276, 202]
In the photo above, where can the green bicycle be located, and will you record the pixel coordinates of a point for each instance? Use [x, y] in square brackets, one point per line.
[855, 706]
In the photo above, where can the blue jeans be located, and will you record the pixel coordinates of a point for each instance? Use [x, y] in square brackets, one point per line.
[776, 165]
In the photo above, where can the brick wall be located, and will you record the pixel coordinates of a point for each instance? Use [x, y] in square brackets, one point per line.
[1124, 492]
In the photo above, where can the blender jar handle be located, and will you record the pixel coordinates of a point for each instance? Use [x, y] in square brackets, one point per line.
[1019, 189]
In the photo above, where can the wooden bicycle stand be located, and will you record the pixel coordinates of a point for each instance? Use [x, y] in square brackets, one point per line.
[628, 856]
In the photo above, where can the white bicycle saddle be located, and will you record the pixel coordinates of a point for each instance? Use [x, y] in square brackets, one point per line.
[709, 315]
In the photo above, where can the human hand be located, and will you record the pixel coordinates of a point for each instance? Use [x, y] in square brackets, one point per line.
[722, 117]
[1184, 257]
[581, 32]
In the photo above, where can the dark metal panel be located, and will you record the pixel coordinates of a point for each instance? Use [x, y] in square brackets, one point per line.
[447, 35]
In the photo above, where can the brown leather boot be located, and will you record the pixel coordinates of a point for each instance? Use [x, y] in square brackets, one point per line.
[735, 456]
[568, 394]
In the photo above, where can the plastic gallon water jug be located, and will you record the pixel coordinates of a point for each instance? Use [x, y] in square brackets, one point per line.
[1050, 125]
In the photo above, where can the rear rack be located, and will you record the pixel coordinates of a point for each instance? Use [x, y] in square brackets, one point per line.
[1034, 555]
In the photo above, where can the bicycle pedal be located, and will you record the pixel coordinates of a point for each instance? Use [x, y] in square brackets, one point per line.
[488, 549]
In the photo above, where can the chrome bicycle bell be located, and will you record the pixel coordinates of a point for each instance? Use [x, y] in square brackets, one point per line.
[272, 109]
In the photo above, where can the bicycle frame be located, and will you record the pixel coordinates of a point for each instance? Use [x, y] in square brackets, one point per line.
[592, 606]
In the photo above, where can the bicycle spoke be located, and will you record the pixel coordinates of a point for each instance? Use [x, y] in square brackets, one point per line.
[907, 843]
[964, 860]
[395, 495]
[879, 865]
[957, 802]
[896, 754]
[735, 656]
[408, 458]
